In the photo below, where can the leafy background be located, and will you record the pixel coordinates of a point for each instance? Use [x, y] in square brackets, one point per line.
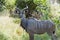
[10, 24]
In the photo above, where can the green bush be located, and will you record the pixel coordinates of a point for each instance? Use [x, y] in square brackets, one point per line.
[17, 20]
[14, 15]
[3, 37]
[42, 37]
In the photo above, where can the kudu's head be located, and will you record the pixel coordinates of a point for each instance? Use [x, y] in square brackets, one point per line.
[21, 12]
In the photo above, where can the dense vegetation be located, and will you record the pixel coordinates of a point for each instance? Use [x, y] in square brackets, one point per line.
[2, 3]
[49, 11]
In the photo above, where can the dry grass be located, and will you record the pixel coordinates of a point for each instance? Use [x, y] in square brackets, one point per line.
[9, 28]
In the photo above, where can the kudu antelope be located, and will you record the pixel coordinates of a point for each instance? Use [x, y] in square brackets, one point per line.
[33, 26]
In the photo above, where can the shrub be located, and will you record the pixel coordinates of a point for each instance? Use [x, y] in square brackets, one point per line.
[3, 37]
[17, 21]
